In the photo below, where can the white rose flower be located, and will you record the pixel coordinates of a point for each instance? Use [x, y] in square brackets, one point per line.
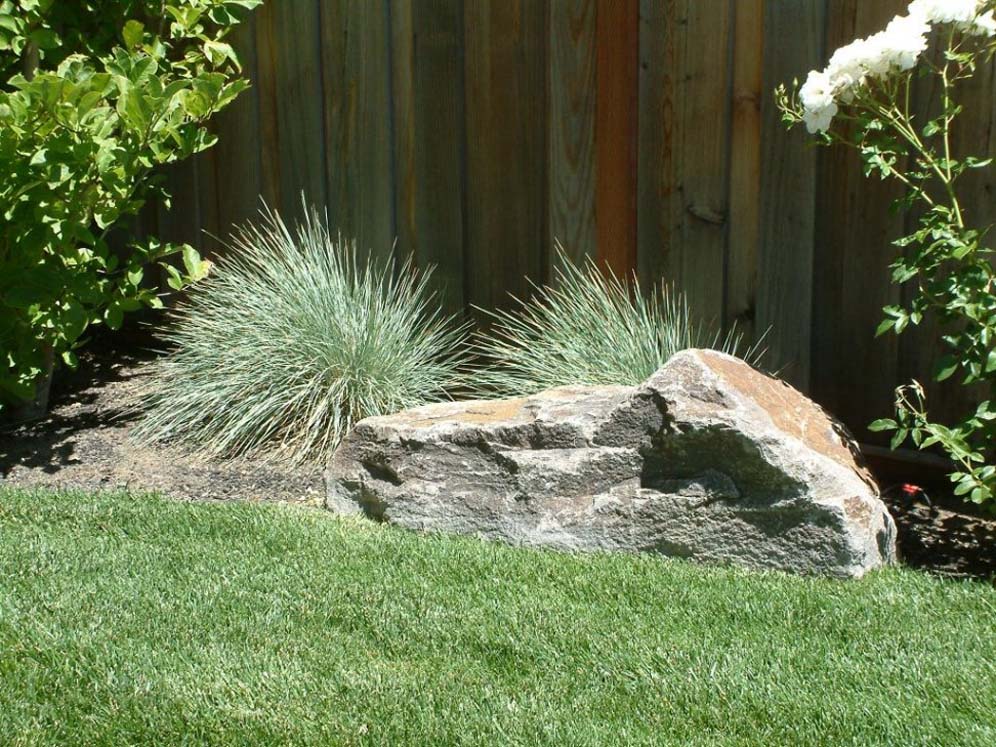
[817, 97]
[904, 40]
[984, 25]
[819, 120]
[817, 91]
[847, 70]
[896, 49]
[946, 11]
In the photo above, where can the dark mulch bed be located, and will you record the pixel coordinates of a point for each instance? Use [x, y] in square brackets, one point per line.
[84, 444]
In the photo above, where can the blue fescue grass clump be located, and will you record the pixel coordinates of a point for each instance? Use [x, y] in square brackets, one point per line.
[591, 327]
[292, 340]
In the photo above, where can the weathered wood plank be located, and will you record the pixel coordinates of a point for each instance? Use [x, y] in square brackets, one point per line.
[292, 125]
[237, 161]
[617, 122]
[745, 168]
[266, 91]
[705, 141]
[429, 139]
[506, 65]
[356, 73]
[181, 223]
[659, 155]
[572, 157]
[684, 148]
[208, 189]
[404, 140]
[854, 232]
[793, 44]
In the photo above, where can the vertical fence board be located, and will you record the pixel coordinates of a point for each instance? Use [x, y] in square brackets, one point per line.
[617, 45]
[356, 77]
[294, 154]
[206, 165]
[181, 223]
[429, 126]
[855, 230]
[743, 222]
[266, 95]
[506, 147]
[573, 93]
[704, 123]
[238, 176]
[793, 43]
[477, 132]
[404, 141]
[658, 199]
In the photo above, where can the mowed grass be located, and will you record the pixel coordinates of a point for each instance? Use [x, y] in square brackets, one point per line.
[134, 620]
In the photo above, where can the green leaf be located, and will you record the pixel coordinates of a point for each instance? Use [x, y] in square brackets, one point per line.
[173, 278]
[883, 424]
[884, 327]
[45, 39]
[197, 268]
[991, 361]
[133, 108]
[945, 368]
[114, 316]
[133, 33]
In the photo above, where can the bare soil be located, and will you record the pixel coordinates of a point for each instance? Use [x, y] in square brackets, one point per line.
[84, 444]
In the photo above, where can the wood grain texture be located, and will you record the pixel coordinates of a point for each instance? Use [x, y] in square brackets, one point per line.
[429, 140]
[477, 132]
[684, 147]
[704, 125]
[181, 221]
[404, 140]
[266, 91]
[293, 131]
[506, 220]
[744, 220]
[793, 44]
[855, 229]
[356, 76]
[237, 161]
[616, 126]
[572, 155]
[658, 196]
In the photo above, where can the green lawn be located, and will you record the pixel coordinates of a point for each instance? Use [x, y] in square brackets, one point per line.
[133, 620]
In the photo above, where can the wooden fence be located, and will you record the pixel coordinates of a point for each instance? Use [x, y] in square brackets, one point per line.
[475, 133]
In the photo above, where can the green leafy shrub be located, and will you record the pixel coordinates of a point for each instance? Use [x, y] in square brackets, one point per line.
[862, 100]
[95, 95]
[291, 341]
[592, 328]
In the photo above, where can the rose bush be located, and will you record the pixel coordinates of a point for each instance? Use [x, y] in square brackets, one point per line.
[862, 100]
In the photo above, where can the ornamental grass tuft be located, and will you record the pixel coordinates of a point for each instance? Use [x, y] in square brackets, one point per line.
[591, 327]
[292, 340]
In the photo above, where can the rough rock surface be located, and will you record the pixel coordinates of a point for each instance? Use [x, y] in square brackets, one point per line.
[708, 459]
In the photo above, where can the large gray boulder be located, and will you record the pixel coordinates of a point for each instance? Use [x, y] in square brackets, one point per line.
[708, 459]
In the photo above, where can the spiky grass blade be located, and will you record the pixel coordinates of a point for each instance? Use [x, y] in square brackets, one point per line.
[292, 340]
[592, 328]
